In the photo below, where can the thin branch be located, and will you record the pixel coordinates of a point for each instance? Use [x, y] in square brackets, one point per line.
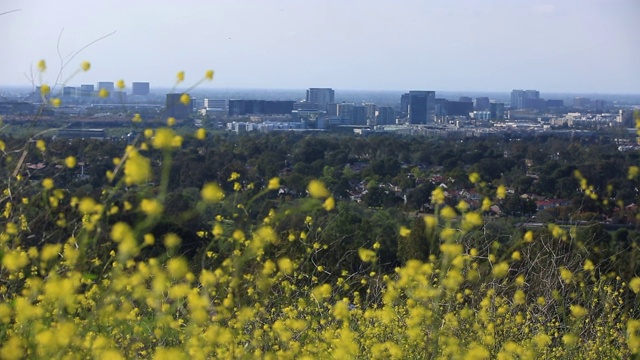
[10, 11]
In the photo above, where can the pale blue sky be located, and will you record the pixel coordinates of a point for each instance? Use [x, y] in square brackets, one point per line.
[476, 45]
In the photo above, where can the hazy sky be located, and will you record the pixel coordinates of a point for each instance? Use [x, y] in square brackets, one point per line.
[479, 45]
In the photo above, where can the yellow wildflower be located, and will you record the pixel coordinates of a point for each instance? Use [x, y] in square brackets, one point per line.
[171, 121]
[55, 102]
[45, 89]
[85, 66]
[120, 84]
[474, 177]
[201, 134]
[404, 231]
[180, 77]
[209, 74]
[47, 183]
[366, 255]
[185, 99]
[566, 274]
[137, 168]
[136, 118]
[151, 207]
[437, 196]
[329, 204]
[285, 265]
[634, 285]
[212, 193]
[578, 311]
[70, 162]
[317, 189]
[500, 270]
[501, 193]
[103, 93]
[163, 138]
[40, 145]
[528, 236]
[274, 184]
[171, 240]
[42, 65]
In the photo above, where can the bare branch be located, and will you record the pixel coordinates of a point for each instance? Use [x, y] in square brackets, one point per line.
[10, 11]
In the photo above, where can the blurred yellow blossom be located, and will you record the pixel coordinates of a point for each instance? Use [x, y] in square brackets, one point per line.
[437, 196]
[85, 66]
[70, 162]
[180, 76]
[42, 65]
[185, 99]
[634, 285]
[209, 74]
[201, 134]
[40, 145]
[103, 93]
[47, 183]
[317, 189]
[120, 84]
[329, 204]
[212, 193]
[404, 231]
[274, 184]
[366, 255]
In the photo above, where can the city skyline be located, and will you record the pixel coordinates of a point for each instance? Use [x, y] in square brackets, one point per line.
[374, 45]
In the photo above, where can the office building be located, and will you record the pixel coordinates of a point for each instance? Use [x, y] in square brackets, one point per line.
[86, 90]
[259, 107]
[359, 115]
[526, 99]
[582, 103]
[370, 109]
[68, 91]
[385, 115]
[345, 112]
[107, 85]
[422, 107]
[404, 105]
[554, 103]
[482, 104]
[321, 96]
[176, 108]
[140, 88]
[496, 111]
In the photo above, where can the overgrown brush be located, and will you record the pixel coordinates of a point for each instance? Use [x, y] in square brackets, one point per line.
[114, 287]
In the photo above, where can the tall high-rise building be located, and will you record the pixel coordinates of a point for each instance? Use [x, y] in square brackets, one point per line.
[481, 104]
[404, 105]
[359, 115]
[496, 110]
[345, 112]
[523, 99]
[321, 96]
[370, 109]
[86, 90]
[386, 115]
[140, 88]
[422, 107]
[176, 108]
[68, 91]
[107, 85]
